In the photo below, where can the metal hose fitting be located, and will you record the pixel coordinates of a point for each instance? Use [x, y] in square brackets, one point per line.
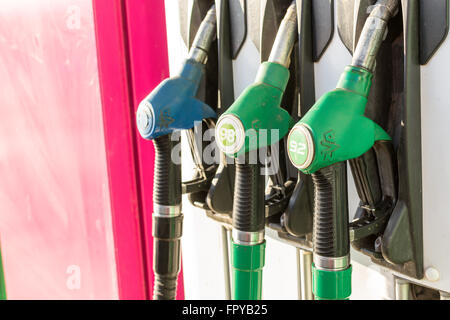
[286, 37]
[205, 36]
[373, 33]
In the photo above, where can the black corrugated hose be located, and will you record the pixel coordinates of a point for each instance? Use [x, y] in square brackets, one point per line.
[248, 206]
[330, 231]
[166, 231]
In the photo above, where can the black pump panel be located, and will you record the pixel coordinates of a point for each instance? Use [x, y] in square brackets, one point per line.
[238, 25]
[391, 231]
[221, 193]
[190, 20]
[322, 26]
[433, 22]
[316, 28]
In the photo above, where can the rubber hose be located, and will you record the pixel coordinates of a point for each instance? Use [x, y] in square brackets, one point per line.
[167, 231]
[248, 206]
[167, 174]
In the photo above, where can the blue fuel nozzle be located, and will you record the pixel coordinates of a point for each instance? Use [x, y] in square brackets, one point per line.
[173, 105]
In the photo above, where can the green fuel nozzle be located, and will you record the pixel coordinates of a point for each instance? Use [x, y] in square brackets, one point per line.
[250, 122]
[333, 131]
[335, 128]
[255, 115]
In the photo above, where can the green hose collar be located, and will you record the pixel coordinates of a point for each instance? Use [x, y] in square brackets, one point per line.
[356, 79]
[273, 74]
[248, 258]
[332, 285]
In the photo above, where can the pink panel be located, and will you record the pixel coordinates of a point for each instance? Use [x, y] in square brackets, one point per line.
[147, 39]
[55, 221]
[122, 156]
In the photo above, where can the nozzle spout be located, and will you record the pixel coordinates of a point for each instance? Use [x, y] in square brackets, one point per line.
[205, 36]
[285, 39]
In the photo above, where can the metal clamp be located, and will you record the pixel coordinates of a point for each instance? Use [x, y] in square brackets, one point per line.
[247, 238]
[161, 211]
[331, 263]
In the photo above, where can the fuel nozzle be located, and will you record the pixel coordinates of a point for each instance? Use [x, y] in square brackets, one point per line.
[326, 134]
[258, 107]
[173, 105]
[333, 131]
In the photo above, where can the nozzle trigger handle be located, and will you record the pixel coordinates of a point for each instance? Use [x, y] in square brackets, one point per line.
[374, 174]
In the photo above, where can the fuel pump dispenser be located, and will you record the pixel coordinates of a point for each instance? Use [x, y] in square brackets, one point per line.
[257, 110]
[371, 121]
[333, 131]
[172, 106]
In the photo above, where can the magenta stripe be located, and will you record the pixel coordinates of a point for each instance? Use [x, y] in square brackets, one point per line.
[121, 148]
[133, 59]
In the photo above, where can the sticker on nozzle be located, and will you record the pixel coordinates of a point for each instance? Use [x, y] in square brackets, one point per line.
[144, 117]
[230, 134]
[300, 147]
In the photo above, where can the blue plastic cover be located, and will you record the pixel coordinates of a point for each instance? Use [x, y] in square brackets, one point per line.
[172, 105]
